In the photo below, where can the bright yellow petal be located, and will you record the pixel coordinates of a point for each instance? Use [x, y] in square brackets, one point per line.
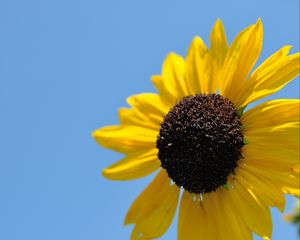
[126, 139]
[295, 191]
[171, 84]
[212, 206]
[284, 135]
[288, 181]
[149, 103]
[239, 229]
[272, 113]
[281, 159]
[272, 130]
[198, 70]
[284, 51]
[251, 209]
[241, 57]
[218, 42]
[133, 117]
[153, 211]
[218, 50]
[270, 79]
[194, 221]
[133, 166]
[147, 110]
[221, 208]
[184, 219]
[269, 192]
[248, 88]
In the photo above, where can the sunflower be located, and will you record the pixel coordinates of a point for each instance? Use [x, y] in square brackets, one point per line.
[224, 166]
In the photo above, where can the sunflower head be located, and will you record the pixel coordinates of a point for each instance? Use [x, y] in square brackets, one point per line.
[225, 163]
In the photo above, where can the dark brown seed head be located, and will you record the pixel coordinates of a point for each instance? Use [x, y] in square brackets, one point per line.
[200, 142]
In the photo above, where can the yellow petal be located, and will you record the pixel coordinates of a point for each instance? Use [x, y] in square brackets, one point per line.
[292, 191]
[184, 220]
[147, 110]
[269, 192]
[133, 166]
[288, 181]
[270, 79]
[241, 57]
[149, 103]
[251, 209]
[133, 117]
[273, 141]
[284, 135]
[153, 211]
[272, 113]
[230, 216]
[218, 50]
[221, 208]
[248, 87]
[212, 206]
[194, 221]
[280, 158]
[126, 139]
[171, 84]
[198, 70]
[218, 42]
[284, 51]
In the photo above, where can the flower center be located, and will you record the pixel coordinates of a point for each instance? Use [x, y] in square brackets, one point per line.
[200, 142]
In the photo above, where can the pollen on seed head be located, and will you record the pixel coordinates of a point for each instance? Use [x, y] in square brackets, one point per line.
[200, 142]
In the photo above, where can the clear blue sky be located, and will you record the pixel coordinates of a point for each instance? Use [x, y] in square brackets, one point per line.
[66, 66]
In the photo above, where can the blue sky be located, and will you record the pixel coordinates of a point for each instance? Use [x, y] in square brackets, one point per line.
[65, 68]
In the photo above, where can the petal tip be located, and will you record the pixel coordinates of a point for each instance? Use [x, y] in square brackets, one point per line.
[197, 40]
[95, 133]
[218, 23]
[105, 173]
[155, 78]
[259, 24]
[258, 21]
[126, 221]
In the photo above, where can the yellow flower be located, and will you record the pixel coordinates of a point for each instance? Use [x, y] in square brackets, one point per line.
[227, 166]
